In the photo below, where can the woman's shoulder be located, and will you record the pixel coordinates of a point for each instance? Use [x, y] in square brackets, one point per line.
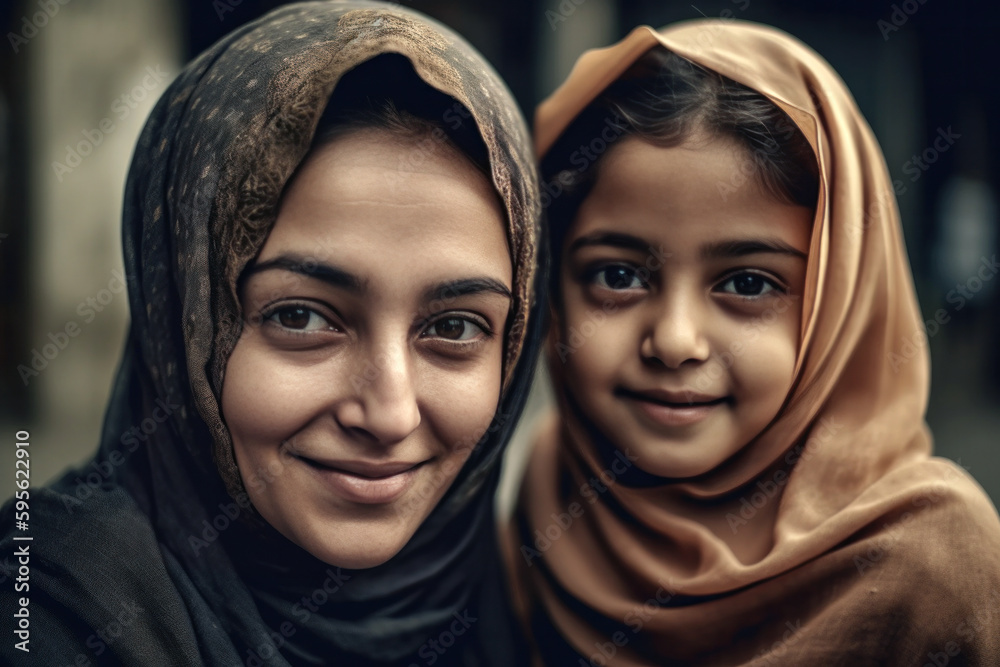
[72, 533]
[90, 582]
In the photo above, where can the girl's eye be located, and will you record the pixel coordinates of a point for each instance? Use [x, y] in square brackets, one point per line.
[299, 318]
[748, 284]
[454, 328]
[617, 277]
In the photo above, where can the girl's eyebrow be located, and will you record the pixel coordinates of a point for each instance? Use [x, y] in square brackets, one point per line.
[616, 239]
[309, 267]
[742, 247]
[715, 250]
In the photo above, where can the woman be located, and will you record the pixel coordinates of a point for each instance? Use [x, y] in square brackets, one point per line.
[330, 344]
[739, 472]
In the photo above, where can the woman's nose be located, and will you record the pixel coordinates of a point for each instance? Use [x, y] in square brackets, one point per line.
[383, 395]
[675, 331]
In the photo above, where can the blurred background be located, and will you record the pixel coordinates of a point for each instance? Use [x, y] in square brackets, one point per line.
[78, 78]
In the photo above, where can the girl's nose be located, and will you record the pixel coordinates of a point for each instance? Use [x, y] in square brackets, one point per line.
[383, 404]
[675, 332]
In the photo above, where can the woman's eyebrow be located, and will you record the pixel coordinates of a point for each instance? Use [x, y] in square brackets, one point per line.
[616, 239]
[309, 267]
[742, 247]
[456, 288]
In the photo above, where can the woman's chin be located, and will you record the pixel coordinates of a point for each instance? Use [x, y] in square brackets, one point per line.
[361, 560]
[356, 552]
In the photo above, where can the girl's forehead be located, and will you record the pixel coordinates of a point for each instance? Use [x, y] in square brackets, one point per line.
[689, 194]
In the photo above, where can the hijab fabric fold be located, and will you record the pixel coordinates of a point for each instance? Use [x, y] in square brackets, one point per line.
[169, 531]
[881, 554]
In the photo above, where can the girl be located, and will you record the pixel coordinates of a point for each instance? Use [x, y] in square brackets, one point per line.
[329, 236]
[739, 471]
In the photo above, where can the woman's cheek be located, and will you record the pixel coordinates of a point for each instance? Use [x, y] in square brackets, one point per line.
[462, 405]
[255, 399]
[265, 402]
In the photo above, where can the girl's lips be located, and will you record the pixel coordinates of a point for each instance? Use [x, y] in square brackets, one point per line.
[680, 413]
[364, 489]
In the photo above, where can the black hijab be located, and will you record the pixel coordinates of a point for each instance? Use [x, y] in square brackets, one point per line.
[152, 554]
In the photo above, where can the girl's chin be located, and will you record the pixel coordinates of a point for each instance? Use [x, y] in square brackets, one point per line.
[678, 460]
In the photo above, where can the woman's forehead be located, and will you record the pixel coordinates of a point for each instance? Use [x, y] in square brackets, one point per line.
[357, 209]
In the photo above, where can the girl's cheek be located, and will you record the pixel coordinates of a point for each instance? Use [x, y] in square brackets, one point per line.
[764, 360]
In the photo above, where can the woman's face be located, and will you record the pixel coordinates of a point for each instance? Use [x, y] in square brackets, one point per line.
[681, 286]
[371, 361]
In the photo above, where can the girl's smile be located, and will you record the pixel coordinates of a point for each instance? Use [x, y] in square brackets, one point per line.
[672, 408]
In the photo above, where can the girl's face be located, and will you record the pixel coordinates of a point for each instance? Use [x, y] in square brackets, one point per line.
[371, 361]
[681, 290]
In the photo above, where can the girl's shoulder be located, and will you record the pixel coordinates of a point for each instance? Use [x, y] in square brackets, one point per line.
[934, 565]
[944, 531]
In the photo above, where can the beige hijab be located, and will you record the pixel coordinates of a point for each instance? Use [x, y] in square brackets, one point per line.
[880, 553]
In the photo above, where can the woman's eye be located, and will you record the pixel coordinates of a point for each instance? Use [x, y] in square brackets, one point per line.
[299, 318]
[748, 284]
[454, 328]
[617, 277]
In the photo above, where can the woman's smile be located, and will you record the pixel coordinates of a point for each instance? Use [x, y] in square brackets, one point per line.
[366, 482]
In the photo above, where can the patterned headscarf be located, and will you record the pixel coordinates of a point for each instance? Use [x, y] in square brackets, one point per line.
[171, 530]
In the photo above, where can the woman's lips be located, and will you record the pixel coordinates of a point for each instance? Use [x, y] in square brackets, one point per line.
[366, 483]
[674, 408]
